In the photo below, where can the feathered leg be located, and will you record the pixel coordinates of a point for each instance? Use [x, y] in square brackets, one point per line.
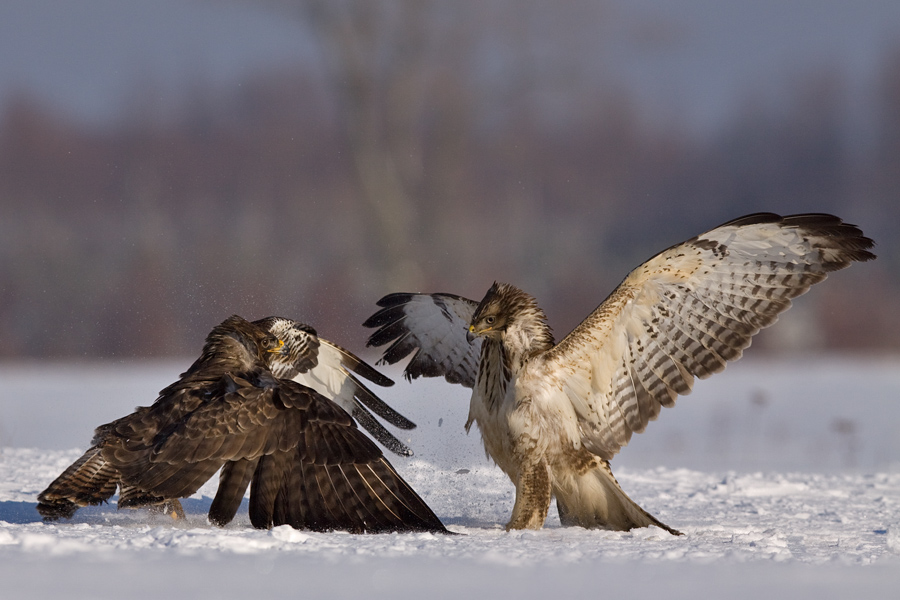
[533, 496]
[132, 497]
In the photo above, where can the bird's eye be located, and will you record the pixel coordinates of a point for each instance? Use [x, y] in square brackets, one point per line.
[266, 343]
[490, 320]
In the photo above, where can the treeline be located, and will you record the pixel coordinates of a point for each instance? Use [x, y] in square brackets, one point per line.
[396, 163]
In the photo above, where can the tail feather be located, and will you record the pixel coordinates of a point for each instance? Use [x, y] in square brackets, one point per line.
[594, 499]
[233, 482]
[268, 480]
[90, 480]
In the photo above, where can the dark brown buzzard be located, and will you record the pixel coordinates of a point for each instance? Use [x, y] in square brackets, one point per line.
[306, 463]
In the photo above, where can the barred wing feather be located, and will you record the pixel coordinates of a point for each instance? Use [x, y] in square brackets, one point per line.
[686, 313]
[329, 369]
[432, 328]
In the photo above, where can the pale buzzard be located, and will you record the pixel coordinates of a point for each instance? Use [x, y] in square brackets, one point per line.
[305, 461]
[552, 416]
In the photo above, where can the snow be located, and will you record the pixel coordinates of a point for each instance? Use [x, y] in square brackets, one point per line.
[783, 477]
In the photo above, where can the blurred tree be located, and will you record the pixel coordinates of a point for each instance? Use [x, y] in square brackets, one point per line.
[375, 55]
[885, 176]
[429, 145]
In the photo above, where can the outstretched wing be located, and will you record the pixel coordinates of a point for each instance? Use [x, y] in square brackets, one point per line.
[688, 311]
[89, 480]
[261, 436]
[333, 378]
[362, 497]
[232, 420]
[431, 327]
[329, 369]
[336, 478]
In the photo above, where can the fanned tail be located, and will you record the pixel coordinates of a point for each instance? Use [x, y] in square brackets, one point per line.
[90, 480]
[594, 499]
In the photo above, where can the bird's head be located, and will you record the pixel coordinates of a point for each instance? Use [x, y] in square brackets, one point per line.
[300, 350]
[271, 344]
[504, 309]
[492, 315]
[242, 342]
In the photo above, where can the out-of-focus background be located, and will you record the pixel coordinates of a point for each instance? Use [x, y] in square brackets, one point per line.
[166, 164]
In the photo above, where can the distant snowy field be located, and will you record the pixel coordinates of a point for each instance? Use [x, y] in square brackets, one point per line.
[785, 479]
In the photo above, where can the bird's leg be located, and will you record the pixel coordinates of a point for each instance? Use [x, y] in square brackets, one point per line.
[171, 508]
[532, 497]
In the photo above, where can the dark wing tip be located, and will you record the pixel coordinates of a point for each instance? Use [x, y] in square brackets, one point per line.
[430, 328]
[363, 369]
[395, 298]
[841, 243]
[56, 510]
[832, 233]
[377, 430]
[393, 301]
[385, 316]
[365, 396]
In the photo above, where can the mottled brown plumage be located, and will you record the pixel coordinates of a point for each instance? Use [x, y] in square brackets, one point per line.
[230, 411]
[552, 416]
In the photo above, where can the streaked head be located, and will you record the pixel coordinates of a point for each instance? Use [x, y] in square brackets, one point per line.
[503, 307]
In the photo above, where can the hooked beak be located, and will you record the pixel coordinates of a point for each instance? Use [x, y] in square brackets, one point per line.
[470, 334]
[279, 349]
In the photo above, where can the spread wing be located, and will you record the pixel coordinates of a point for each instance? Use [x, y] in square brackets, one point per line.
[89, 480]
[431, 327]
[321, 493]
[688, 311]
[333, 378]
[329, 369]
[231, 420]
[265, 436]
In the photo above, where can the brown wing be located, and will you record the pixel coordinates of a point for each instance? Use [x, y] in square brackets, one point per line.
[688, 311]
[90, 480]
[258, 435]
[337, 479]
[234, 478]
[370, 497]
[232, 420]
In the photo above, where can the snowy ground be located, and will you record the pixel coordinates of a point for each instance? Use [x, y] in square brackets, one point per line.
[785, 480]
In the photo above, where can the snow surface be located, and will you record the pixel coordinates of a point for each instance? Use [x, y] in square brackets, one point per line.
[785, 480]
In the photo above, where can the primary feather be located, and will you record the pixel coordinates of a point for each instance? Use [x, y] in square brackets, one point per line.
[332, 371]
